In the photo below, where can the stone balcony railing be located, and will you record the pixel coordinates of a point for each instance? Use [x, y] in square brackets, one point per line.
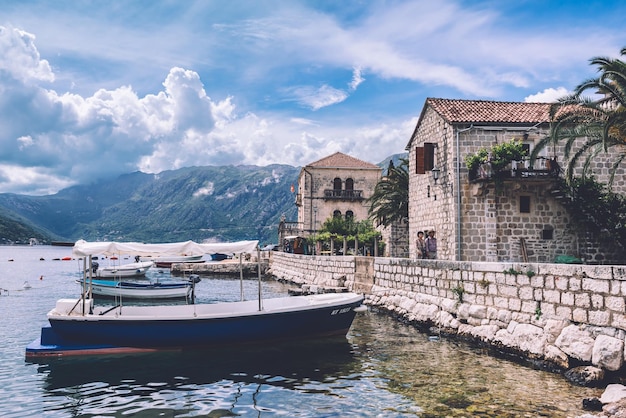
[343, 194]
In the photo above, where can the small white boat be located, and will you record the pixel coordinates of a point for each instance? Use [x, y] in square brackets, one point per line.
[137, 269]
[145, 291]
[167, 261]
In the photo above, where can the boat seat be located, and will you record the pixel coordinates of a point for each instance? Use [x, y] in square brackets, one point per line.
[75, 306]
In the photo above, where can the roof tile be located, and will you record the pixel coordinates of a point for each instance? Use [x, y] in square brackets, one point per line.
[484, 111]
[341, 160]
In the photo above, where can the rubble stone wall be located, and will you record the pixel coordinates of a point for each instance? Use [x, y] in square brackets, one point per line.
[563, 314]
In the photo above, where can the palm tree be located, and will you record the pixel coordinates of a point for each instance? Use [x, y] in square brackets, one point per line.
[390, 200]
[599, 121]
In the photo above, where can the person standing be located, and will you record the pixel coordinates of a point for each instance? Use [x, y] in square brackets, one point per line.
[431, 246]
[420, 244]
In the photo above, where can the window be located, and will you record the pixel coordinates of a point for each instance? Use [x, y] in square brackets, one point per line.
[337, 184]
[524, 204]
[349, 184]
[349, 214]
[547, 233]
[337, 214]
[425, 158]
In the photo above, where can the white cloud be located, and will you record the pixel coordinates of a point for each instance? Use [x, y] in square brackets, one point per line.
[24, 142]
[20, 58]
[357, 78]
[317, 98]
[549, 95]
[207, 190]
[239, 85]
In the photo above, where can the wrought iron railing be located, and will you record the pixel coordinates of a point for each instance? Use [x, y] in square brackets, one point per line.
[343, 194]
[541, 167]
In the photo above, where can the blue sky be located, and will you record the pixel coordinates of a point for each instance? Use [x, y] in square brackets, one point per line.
[94, 89]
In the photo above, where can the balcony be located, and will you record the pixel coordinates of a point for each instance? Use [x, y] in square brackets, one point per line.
[343, 194]
[541, 169]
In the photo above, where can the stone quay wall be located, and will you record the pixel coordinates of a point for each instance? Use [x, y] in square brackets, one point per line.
[565, 315]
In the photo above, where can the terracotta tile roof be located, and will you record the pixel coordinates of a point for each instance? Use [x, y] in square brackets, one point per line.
[483, 111]
[341, 160]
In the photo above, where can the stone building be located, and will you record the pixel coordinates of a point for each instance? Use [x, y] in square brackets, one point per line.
[482, 217]
[337, 185]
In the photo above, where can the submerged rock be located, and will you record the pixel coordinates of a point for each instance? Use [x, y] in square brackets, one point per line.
[585, 376]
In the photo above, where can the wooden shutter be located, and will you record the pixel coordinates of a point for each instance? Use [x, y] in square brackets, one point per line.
[419, 160]
[429, 156]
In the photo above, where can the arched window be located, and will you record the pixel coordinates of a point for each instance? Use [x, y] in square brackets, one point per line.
[349, 214]
[337, 214]
[337, 184]
[349, 184]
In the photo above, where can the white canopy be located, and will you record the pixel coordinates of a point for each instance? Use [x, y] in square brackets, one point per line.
[83, 248]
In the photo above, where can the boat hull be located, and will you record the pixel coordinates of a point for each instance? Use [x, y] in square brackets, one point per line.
[218, 324]
[167, 261]
[128, 290]
[124, 271]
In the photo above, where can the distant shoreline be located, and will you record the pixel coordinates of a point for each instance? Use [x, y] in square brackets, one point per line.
[62, 244]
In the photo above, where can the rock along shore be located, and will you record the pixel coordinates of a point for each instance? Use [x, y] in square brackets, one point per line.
[570, 318]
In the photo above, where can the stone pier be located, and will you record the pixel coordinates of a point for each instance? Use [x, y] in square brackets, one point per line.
[564, 315]
[221, 268]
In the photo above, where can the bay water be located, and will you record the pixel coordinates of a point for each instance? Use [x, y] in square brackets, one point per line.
[382, 368]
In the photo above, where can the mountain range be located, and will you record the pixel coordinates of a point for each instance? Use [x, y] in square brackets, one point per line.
[212, 203]
[197, 203]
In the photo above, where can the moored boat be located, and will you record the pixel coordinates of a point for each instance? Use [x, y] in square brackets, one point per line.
[147, 328]
[137, 290]
[77, 326]
[137, 269]
[167, 261]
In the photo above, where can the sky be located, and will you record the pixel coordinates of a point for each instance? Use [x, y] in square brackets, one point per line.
[93, 89]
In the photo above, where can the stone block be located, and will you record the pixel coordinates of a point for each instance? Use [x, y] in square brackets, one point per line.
[595, 285]
[583, 300]
[576, 342]
[568, 298]
[580, 315]
[608, 353]
[552, 296]
[599, 318]
[575, 284]
[615, 303]
[563, 312]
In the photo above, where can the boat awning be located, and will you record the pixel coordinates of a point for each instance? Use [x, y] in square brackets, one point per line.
[83, 248]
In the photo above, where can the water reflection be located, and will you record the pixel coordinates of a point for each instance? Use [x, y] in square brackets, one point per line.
[293, 362]
[219, 381]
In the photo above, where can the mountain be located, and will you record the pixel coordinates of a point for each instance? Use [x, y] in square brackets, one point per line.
[197, 203]
[226, 203]
[16, 229]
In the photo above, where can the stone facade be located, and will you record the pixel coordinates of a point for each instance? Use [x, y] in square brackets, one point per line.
[396, 238]
[516, 219]
[565, 315]
[335, 185]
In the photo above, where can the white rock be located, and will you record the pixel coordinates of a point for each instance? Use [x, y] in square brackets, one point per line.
[529, 338]
[553, 328]
[613, 393]
[556, 356]
[608, 353]
[576, 342]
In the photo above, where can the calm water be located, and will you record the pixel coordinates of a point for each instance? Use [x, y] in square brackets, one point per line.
[382, 369]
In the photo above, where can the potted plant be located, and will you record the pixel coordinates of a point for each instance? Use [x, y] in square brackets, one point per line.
[498, 157]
